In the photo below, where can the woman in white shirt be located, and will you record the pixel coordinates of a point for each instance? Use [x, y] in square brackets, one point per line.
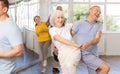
[68, 51]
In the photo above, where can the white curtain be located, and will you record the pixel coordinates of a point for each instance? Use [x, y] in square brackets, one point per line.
[23, 12]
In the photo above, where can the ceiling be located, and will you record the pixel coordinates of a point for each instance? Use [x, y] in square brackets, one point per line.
[16, 1]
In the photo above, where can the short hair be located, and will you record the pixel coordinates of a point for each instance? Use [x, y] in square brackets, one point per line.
[53, 15]
[59, 8]
[91, 8]
[94, 7]
[5, 3]
[35, 17]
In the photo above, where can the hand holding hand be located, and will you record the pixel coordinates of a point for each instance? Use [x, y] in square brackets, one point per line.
[84, 45]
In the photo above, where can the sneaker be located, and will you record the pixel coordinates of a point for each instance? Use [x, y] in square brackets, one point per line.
[55, 70]
[44, 63]
[43, 71]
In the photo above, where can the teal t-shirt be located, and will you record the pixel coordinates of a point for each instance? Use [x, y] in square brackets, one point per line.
[10, 35]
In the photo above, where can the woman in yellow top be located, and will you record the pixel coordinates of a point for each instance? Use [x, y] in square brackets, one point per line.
[44, 39]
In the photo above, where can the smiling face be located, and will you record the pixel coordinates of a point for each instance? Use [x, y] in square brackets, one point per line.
[59, 20]
[37, 19]
[95, 12]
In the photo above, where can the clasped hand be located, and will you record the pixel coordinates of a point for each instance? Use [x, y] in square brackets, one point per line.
[83, 46]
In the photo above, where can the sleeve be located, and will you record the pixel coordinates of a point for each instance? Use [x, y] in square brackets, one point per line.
[69, 25]
[15, 36]
[52, 32]
[37, 30]
[44, 25]
[75, 27]
[100, 28]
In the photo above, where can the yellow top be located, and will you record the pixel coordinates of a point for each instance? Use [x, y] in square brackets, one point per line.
[42, 32]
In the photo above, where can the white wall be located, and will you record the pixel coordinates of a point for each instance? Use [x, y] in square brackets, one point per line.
[44, 9]
[113, 44]
[101, 45]
[110, 44]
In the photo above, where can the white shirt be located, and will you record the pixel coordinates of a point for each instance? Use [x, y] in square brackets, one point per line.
[63, 32]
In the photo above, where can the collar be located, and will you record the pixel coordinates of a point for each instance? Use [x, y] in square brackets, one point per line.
[90, 22]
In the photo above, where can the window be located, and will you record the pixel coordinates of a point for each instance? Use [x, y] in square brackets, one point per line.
[23, 13]
[80, 0]
[113, 17]
[110, 13]
[73, 10]
[60, 0]
[113, 1]
[97, 0]
[80, 11]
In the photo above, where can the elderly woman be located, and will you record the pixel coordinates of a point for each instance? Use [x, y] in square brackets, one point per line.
[68, 51]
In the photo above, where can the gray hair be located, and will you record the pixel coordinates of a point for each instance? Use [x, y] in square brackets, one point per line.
[53, 15]
[93, 8]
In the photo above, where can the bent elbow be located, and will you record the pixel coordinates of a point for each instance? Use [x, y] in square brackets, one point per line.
[20, 54]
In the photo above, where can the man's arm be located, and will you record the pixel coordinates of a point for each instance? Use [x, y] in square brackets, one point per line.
[92, 42]
[96, 40]
[15, 52]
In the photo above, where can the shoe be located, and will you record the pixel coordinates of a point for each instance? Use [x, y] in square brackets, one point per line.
[43, 71]
[44, 63]
[55, 70]
[55, 57]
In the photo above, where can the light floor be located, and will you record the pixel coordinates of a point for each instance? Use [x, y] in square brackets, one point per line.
[28, 64]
